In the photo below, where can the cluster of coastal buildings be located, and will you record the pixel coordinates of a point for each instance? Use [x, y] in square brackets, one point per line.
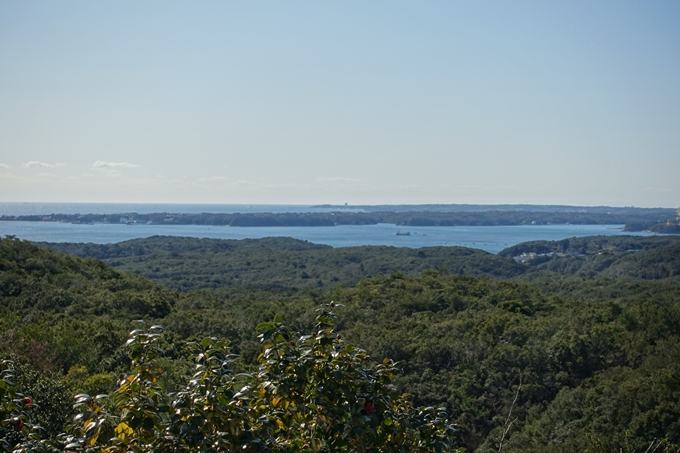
[528, 257]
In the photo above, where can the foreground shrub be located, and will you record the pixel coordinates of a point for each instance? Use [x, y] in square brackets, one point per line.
[308, 393]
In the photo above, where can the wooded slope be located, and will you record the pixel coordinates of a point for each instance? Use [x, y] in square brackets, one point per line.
[595, 355]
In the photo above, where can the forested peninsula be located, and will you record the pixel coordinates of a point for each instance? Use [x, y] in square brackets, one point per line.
[564, 346]
[635, 219]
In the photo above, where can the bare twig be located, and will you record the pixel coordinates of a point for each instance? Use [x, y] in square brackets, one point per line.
[508, 424]
[652, 450]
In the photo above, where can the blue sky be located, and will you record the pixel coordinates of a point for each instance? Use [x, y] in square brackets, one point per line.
[333, 102]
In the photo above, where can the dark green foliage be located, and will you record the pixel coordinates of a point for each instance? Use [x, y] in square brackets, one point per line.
[282, 264]
[53, 401]
[622, 256]
[34, 280]
[470, 340]
[307, 394]
[583, 354]
[644, 400]
[648, 264]
[591, 245]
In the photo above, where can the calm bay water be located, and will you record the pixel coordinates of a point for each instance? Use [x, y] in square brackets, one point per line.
[490, 238]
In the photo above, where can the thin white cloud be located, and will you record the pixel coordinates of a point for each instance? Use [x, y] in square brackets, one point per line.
[113, 174]
[244, 183]
[338, 178]
[212, 179]
[4, 166]
[102, 164]
[38, 164]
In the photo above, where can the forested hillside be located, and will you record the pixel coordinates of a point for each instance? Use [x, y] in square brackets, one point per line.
[561, 356]
[591, 245]
[640, 257]
[279, 263]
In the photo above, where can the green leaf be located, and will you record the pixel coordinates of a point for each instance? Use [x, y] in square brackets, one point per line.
[264, 326]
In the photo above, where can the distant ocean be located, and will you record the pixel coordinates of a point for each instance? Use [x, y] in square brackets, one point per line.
[148, 208]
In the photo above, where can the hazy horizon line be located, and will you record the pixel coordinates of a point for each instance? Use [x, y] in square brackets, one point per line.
[337, 205]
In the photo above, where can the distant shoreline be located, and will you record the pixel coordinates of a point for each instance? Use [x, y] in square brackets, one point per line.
[634, 219]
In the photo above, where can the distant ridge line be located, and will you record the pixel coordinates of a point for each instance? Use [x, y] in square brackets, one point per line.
[454, 207]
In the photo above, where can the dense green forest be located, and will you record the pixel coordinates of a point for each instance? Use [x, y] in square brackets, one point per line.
[283, 264]
[606, 255]
[577, 352]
